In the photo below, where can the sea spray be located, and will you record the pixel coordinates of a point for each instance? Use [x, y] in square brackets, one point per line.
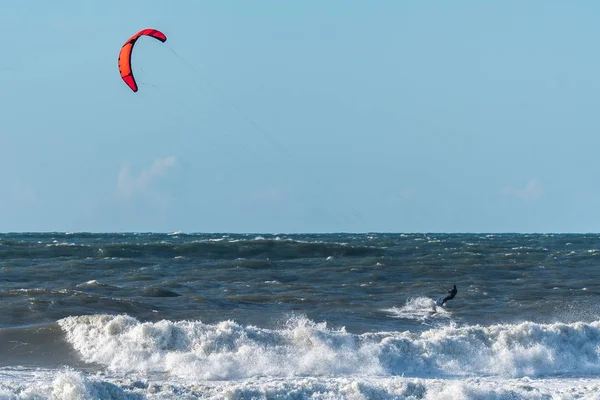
[227, 350]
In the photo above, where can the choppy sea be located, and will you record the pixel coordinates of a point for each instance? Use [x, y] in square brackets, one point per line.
[304, 316]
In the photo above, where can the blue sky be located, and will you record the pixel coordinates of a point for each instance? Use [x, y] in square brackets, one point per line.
[301, 116]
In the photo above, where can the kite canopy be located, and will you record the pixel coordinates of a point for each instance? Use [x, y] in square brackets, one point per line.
[125, 55]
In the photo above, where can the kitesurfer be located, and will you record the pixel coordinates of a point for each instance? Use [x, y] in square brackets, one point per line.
[450, 296]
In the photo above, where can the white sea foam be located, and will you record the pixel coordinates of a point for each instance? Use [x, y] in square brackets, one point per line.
[71, 385]
[419, 308]
[95, 284]
[221, 351]
[227, 350]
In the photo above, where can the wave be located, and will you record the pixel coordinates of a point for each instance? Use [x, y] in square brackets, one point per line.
[420, 308]
[93, 283]
[207, 248]
[226, 350]
[68, 384]
[420, 249]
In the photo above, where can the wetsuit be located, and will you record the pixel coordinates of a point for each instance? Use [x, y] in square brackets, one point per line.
[451, 296]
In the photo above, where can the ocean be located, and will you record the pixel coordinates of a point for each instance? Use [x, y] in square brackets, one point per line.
[303, 316]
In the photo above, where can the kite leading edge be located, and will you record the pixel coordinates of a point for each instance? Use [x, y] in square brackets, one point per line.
[125, 55]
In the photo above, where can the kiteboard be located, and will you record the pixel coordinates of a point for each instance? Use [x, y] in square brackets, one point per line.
[438, 302]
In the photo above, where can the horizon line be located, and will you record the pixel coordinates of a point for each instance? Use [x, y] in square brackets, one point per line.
[294, 233]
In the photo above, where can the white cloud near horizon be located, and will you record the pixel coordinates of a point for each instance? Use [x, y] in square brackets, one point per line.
[532, 190]
[130, 184]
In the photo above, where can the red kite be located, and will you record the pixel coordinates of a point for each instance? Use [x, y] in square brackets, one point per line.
[125, 55]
